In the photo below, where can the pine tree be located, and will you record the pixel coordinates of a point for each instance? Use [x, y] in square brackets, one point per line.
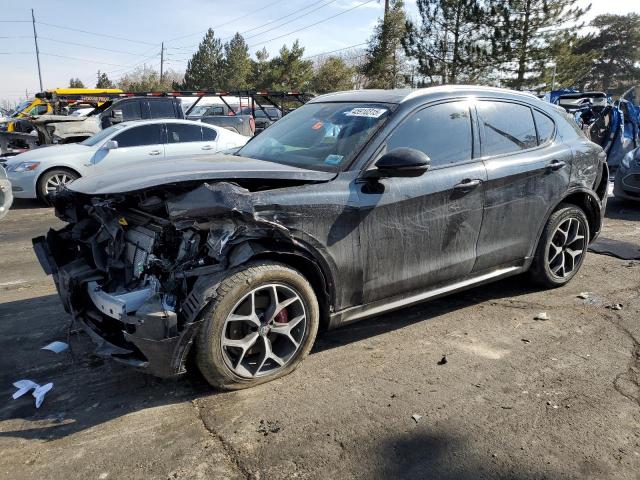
[260, 70]
[289, 71]
[385, 63]
[451, 41]
[569, 67]
[237, 64]
[615, 50]
[332, 75]
[104, 81]
[524, 32]
[76, 83]
[205, 70]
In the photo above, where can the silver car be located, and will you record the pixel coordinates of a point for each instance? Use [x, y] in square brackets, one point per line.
[39, 172]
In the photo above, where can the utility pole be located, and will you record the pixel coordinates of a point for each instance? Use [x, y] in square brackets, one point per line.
[35, 39]
[161, 62]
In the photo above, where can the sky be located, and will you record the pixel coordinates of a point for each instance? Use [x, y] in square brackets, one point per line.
[118, 35]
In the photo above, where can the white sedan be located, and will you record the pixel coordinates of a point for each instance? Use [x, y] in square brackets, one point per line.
[38, 172]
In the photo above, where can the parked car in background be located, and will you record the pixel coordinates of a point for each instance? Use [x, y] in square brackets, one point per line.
[354, 204]
[627, 180]
[263, 118]
[6, 197]
[37, 173]
[54, 129]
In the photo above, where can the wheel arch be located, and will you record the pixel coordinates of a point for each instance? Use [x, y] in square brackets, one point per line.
[300, 258]
[587, 201]
[57, 167]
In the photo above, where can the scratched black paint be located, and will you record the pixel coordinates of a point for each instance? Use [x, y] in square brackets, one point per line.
[368, 243]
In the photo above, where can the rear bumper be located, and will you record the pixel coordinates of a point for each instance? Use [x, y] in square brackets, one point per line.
[149, 338]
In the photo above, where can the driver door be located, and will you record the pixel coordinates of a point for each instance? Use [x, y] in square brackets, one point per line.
[422, 231]
[141, 143]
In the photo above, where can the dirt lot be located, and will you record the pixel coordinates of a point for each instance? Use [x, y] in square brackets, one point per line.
[517, 398]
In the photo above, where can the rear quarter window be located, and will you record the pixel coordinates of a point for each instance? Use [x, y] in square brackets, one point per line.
[508, 127]
[545, 127]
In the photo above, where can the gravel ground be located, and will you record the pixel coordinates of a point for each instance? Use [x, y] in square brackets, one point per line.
[517, 398]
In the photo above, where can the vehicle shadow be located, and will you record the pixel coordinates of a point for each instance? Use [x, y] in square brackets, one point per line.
[424, 311]
[27, 203]
[440, 455]
[619, 209]
[89, 391]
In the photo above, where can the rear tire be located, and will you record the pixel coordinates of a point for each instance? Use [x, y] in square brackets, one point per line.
[260, 326]
[562, 247]
[50, 179]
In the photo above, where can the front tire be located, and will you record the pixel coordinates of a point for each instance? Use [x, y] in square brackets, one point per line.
[50, 180]
[562, 247]
[259, 327]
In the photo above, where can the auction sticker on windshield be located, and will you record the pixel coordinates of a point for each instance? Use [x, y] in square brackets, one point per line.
[366, 112]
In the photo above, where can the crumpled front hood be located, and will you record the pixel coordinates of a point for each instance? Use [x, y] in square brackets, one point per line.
[211, 167]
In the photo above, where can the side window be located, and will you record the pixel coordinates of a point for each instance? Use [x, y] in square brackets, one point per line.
[38, 110]
[181, 132]
[208, 134]
[161, 109]
[508, 127]
[140, 136]
[443, 132]
[130, 110]
[545, 127]
[215, 110]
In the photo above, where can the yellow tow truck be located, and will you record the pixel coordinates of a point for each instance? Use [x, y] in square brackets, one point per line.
[40, 106]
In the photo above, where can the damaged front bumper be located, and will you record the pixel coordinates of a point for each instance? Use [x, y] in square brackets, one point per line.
[137, 328]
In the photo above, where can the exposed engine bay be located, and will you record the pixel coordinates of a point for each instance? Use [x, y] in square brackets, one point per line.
[136, 269]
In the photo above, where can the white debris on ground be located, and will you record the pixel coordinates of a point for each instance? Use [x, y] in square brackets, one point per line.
[56, 347]
[39, 391]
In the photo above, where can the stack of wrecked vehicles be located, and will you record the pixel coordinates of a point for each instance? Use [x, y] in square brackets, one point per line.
[614, 125]
[354, 204]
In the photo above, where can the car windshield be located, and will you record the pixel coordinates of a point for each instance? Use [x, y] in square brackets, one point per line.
[100, 136]
[319, 136]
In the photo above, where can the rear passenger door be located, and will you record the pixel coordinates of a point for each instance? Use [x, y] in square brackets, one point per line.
[422, 231]
[186, 140]
[528, 172]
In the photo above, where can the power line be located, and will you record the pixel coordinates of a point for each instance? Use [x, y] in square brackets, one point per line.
[225, 23]
[335, 51]
[87, 46]
[96, 34]
[311, 25]
[289, 21]
[15, 21]
[82, 59]
[189, 47]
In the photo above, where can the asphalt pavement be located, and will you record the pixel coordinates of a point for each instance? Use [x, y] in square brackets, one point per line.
[466, 387]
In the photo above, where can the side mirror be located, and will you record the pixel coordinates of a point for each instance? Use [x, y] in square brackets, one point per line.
[116, 116]
[110, 145]
[400, 162]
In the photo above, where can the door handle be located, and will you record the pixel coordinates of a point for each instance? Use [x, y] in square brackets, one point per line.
[154, 152]
[467, 184]
[207, 147]
[556, 165]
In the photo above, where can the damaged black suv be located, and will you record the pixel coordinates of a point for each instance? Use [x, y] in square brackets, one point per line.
[354, 204]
